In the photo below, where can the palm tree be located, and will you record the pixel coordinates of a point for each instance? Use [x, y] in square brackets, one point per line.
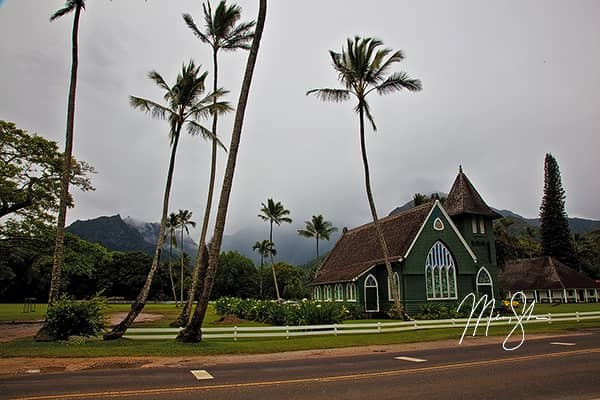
[172, 223]
[419, 198]
[193, 332]
[317, 228]
[222, 32]
[265, 248]
[362, 69]
[274, 213]
[70, 6]
[185, 221]
[184, 107]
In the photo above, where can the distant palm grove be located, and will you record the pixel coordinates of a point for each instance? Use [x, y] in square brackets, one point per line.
[41, 259]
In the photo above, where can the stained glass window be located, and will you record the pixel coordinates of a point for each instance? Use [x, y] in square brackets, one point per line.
[440, 273]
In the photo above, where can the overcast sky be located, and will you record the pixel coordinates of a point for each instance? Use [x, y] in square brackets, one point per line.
[504, 82]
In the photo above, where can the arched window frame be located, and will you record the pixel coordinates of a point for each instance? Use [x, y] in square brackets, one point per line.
[370, 277]
[338, 292]
[351, 291]
[397, 280]
[478, 284]
[317, 293]
[440, 274]
[328, 293]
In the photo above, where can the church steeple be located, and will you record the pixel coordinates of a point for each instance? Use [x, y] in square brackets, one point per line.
[464, 199]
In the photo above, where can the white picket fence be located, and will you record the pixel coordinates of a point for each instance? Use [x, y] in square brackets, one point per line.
[239, 332]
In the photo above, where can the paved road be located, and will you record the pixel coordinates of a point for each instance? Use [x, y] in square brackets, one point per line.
[540, 369]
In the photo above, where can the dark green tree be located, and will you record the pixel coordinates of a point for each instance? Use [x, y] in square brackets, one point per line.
[265, 248]
[362, 69]
[237, 277]
[420, 198]
[555, 233]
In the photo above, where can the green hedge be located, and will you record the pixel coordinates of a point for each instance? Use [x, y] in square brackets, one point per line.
[304, 312]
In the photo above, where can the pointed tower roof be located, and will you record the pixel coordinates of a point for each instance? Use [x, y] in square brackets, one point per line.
[464, 199]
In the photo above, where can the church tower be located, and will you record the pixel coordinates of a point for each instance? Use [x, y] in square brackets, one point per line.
[474, 219]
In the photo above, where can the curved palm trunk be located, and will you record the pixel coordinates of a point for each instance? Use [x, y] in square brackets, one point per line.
[386, 254]
[140, 302]
[171, 269]
[193, 332]
[199, 270]
[66, 173]
[273, 265]
[317, 237]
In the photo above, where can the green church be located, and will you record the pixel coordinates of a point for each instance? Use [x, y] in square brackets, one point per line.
[438, 253]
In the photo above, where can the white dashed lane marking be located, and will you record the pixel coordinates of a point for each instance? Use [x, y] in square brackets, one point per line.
[563, 343]
[201, 374]
[410, 359]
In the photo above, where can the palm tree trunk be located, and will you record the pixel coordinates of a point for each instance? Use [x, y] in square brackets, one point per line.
[171, 269]
[140, 302]
[273, 265]
[193, 332]
[66, 173]
[399, 310]
[184, 316]
[317, 237]
[181, 276]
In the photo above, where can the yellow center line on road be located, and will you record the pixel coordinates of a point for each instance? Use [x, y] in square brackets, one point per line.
[333, 378]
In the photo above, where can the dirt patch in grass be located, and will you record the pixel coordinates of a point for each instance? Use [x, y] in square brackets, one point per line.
[229, 320]
[115, 318]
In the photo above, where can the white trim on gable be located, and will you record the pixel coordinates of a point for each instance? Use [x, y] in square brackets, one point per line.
[454, 228]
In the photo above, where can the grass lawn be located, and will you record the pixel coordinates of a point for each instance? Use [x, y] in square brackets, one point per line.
[124, 347]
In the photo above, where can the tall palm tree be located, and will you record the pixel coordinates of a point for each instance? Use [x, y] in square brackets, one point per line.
[274, 213]
[193, 332]
[185, 221]
[317, 228]
[185, 105]
[362, 69]
[222, 32]
[265, 248]
[70, 6]
[172, 223]
[419, 198]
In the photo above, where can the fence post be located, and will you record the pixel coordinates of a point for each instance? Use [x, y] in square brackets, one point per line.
[335, 332]
[453, 322]
[577, 315]
[235, 333]
[287, 332]
[378, 327]
[549, 318]
[416, 326]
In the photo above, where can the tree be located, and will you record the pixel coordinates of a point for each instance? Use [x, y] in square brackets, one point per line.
[30, 175]
[236, 276]
[362, 69]
[291, 281]
[172, 223]
[193, 332]
[70, 6]
[274, 213]
[185, 105]
[419, 198]
[222, 32]
[184, 218]
[265, 248]
[556, 236]
[317, 228]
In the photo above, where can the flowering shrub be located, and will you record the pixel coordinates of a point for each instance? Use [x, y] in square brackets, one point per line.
[304, 312]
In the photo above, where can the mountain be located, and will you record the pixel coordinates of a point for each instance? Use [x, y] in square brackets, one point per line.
[118, 234]
[577, 225]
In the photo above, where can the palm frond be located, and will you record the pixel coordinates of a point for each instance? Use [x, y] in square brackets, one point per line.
[189, 21]
[70, 5]
[194, 128]
[333, 95]
[154, 109]
[397, 82]
[158, 79]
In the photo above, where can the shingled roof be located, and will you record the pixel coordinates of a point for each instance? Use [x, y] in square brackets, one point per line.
[358, 249]
[464, 199]
[542, 273]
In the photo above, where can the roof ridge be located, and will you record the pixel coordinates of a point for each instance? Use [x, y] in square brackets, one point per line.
[392, 217]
